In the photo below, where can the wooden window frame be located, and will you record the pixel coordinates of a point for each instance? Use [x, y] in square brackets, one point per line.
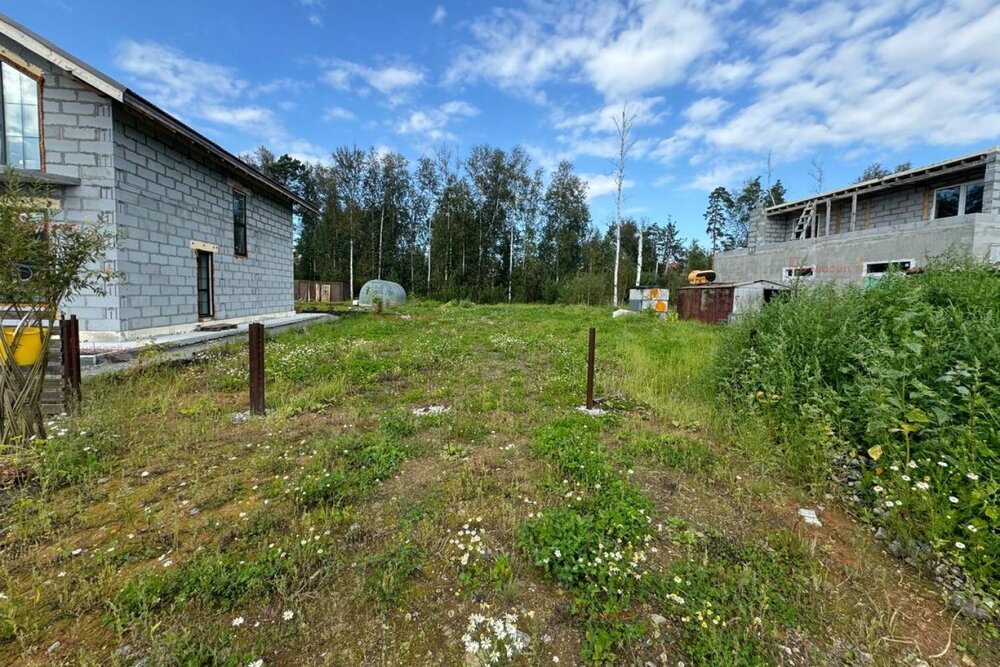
[240, 225]
[40, 82]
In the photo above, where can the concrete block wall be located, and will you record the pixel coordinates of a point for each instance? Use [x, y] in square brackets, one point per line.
[841, 258]
[169, 197]
[888, 208]
[991, 193]
[77, 142]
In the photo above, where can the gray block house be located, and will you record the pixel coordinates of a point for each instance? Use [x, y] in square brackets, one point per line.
[855, 234]
[203, 236]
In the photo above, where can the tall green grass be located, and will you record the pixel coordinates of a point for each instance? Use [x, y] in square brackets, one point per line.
[892, 391]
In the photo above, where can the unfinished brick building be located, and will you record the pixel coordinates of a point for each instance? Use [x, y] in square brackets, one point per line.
[857, 233]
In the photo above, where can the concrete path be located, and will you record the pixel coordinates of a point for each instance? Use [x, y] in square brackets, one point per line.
[181, 346]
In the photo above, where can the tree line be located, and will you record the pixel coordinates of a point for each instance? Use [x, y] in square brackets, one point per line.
[487, 226]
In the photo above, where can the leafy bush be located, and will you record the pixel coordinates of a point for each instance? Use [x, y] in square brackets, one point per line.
[896, 390]
[589, 288]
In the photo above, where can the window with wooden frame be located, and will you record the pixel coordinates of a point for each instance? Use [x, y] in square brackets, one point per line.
[239, 224]
[20, 118]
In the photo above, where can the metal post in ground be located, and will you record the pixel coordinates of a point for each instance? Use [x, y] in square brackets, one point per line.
[590, 368]
[257, 368]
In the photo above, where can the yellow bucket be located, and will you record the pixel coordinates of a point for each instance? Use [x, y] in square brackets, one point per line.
[29, 345]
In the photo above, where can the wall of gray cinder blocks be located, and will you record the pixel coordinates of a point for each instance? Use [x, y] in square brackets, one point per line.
[842, 258]
[158, 195]
[888, 208]
[169, 196]
[77, 142]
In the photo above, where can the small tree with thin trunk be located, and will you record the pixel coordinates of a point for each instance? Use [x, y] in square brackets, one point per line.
[623, 125]
[43, 264]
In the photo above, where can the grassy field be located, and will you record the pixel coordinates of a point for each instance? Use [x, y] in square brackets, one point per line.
[353, 526]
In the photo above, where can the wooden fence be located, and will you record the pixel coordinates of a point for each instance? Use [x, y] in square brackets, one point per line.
[320, 290]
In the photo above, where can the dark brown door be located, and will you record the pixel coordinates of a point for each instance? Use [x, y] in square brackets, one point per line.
[206, 296]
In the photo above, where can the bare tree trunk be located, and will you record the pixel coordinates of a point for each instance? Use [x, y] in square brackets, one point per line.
[352, 268]
[638, 263]
[624, 127]
[510, 266]
[381, 224]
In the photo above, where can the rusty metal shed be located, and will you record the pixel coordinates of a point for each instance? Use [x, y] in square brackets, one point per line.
[715, 302]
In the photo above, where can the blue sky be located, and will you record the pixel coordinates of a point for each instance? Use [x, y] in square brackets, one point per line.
[717, 85]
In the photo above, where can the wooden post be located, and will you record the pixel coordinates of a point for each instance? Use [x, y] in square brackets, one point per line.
[590, 368]
[854, 210]
[74, 354]
[257, 368]
[829, 205]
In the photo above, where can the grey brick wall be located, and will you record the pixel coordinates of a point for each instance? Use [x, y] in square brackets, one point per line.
[77, 141]
[169, 197]
[159, 196]
[841, 258]
[897, 206]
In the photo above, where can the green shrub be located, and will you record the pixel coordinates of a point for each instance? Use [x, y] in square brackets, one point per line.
[896, 390]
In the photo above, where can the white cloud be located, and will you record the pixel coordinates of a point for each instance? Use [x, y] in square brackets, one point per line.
[440, 13]
[845, 74]
[706, 109]
[622, 49]
[313, 9]
[173, 79]
[339, 113]
[599, 185]
[723, 75]
[197, 90]
[431, 124]
[394, 81]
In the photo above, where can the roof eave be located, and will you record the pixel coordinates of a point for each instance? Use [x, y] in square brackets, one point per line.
[926, 171]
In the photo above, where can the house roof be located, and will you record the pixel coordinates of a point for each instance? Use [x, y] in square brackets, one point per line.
[45, 49]
[892, 180]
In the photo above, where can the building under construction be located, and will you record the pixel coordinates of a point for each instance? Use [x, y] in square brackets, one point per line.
[860, 232]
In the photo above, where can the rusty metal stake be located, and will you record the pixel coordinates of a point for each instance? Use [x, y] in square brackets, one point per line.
[74, 353]
[257, 368]
[590, 368]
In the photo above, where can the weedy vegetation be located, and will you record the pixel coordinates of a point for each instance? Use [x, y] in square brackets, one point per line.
[423, 491]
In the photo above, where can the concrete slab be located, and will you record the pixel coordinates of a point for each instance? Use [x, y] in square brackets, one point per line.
[102, 357]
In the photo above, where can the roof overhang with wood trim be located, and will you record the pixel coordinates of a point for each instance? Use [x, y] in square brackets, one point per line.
[104, 84]
[910, 176]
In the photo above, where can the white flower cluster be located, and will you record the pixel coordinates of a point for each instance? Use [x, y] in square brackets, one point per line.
[491, 639]
[505, 342]
[469, 542]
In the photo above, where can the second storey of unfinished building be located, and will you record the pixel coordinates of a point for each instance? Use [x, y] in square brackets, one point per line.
[860, 231]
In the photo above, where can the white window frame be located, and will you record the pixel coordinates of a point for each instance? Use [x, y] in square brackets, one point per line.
[961, 197]
[865, 272]
[788, 273]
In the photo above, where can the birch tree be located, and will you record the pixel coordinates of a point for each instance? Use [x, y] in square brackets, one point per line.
[623, 125]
